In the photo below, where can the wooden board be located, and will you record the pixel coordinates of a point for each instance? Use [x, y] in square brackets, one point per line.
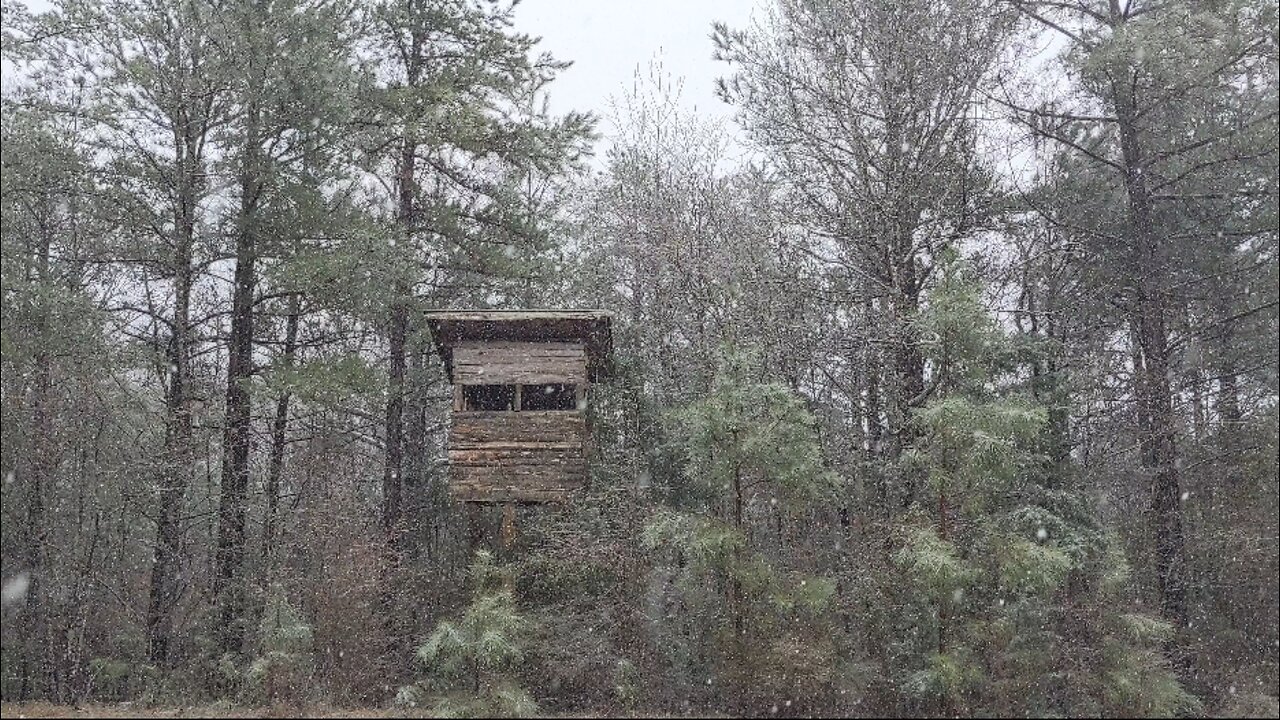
[515, 483]
[528, 363]
[530, 475]
[478, 428]
[451, 329]
[463, 316]
[489, 493]
[562, 456]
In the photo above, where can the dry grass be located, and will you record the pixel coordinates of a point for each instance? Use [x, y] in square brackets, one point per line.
[132, 710]
[222, 710]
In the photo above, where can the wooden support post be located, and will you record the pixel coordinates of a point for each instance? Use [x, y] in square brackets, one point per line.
[508, 526]
[477, 527]
[508, 542]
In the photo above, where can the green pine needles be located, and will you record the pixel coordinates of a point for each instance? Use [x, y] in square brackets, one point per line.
[284, 668]
[1010, 581]
[750, 450]
[470, 660]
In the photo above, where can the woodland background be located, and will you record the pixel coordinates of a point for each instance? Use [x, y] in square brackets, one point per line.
[956, 394]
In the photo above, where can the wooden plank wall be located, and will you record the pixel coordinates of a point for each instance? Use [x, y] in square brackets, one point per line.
[502, 362]
[519, 483]
[517, 456]
[480, 428]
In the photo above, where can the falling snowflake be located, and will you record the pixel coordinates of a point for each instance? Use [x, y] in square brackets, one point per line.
[15, 588]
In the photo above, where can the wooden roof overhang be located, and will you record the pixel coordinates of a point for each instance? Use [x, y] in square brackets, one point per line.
[593, 328]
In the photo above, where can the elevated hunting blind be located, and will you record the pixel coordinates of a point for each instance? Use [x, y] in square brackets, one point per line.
[520, 386]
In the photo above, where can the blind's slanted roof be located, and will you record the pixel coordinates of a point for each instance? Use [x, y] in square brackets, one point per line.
[590, 327]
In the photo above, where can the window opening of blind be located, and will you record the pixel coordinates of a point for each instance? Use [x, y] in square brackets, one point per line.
[549, 396]
[488, 397]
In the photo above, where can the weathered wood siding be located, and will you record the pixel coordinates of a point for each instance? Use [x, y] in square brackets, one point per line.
[517, 456]
[480, 428]
[521, 483]
[492, 363]
[478, 486]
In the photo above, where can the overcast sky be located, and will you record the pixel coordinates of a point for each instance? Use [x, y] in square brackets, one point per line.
[607, 41]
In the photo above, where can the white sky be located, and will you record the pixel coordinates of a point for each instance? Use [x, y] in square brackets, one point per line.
[615, 43]
[609, 41]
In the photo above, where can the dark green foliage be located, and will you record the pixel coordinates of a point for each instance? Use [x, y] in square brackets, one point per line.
[470, 661]
[999, 563]
[955, 396]
[751, 451]
[284, 669]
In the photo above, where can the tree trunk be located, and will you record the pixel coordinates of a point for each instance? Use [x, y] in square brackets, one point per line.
[872, 412]
[736, 608]
[1149, 310]
[908, 372]
[398, 332]
[236, 434]
[397, 336]
[1228, 405]
[417, 493]
[33, 632]
[392, 480]
[904, 361]
[279, 429]
[165, 589]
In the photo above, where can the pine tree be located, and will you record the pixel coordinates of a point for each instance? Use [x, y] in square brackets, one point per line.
[291, 94]
[469, 660]
[454, 125]
[1170, 128]
[284, 667]
[751, 453]
[866, 108]
[999, 552]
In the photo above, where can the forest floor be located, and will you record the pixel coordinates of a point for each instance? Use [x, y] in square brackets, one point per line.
[223, 710]
[132, 710]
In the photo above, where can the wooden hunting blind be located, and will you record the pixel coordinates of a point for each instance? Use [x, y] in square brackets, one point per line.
[520, 386]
